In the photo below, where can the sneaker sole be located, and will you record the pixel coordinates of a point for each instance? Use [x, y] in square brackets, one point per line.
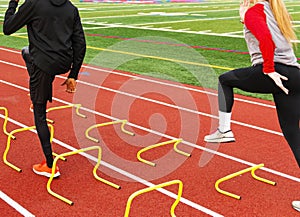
[222, 140]
[57, 174]
[296, 208]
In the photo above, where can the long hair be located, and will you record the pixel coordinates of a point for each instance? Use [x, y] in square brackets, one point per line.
[283, 19]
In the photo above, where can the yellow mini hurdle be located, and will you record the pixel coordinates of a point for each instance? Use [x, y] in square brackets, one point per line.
[252, 169]
[123, 122]
[145, 190]
[8, 143]
[77, 106]
[94, 172]
[175, 141]
[5, 122]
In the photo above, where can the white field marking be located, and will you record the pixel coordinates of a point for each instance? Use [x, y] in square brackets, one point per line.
[164, 104]
[200, 15]
[15, 205]
[20, 33]
[168, 30]
[281, 174]
[183, 29]
[86, 9]
[93, 21]
[101, 25]
[213, 11]
[204, 31]
[116, 169]
[97, 27]
[118, 10]
[136, 26]
[150, 26]
[236, 32]
[165, 14]
[122, 7]
[191, 20]
[118, 16]
[148, 80]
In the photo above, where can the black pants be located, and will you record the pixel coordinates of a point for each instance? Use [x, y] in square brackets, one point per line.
[40, 85]
[252, 79]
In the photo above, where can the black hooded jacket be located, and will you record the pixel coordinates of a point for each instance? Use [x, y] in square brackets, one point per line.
[56, 38]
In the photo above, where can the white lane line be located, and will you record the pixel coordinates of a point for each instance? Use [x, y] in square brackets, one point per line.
[146, 79]
[163, 103]
[175, 106]
[125, 173]
[15, 205]
[171, 137]
[173, 85]
[154, 81]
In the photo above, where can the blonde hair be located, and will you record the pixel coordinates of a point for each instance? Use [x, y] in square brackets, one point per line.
[283, 19]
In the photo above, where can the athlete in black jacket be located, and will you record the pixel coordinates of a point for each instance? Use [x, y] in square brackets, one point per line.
[56, 46]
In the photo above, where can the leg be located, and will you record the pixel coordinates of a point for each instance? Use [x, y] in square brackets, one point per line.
[43, 131]
[289, 116]
[288, 108]
[40, 93]
[249, 79]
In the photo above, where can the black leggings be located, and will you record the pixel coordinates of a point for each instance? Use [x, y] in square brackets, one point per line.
[40, 86]
[252, 79]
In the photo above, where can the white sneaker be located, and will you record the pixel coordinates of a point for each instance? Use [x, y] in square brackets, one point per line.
[218, 136]
[296, 205]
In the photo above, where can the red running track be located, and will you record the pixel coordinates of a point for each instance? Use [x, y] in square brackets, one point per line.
[156, 113]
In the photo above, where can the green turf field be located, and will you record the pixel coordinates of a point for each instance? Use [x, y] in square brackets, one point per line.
[190, 43]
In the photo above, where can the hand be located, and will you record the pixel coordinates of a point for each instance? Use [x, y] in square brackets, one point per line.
[71, 84]
[277, 79]
[244, 6]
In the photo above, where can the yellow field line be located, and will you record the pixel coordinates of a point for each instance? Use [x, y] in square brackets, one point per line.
[160, 58]
[148, 56]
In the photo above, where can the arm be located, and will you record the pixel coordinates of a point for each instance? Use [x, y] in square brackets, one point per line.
[255, 21]
[14, 21]
[78, 45]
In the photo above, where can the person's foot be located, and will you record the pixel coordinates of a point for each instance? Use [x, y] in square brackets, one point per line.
[43, 170]
[219, 137]
[296, 205]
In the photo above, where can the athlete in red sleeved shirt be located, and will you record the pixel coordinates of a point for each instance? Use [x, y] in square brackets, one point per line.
[268, 34]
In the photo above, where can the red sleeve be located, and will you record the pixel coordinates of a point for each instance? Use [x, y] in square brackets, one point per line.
[256, 22]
